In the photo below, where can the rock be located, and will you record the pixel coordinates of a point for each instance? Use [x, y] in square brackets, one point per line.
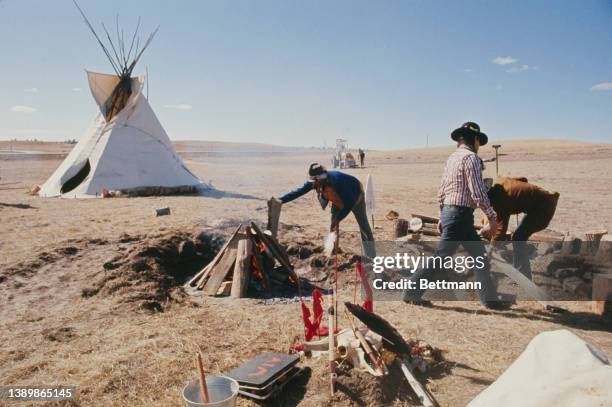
[602, 296]
[293, 249]
[561, 262]
[561, 274]
[392, 215]
[203, 237]
[318, 261]
[162, 211]
[604, 252]
[544, 248]
[577, 287]
[571, 245]
[301, 251]
[305, 252]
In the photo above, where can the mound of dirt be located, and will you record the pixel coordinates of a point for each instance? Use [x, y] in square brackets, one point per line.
[152, 270]
[63, 334]
[30, 267]
[310, 262]
[363, 389]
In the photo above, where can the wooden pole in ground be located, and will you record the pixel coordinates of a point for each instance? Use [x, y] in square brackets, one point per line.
[242, 267]
[332, 346]
[202, 378]
[274, 211]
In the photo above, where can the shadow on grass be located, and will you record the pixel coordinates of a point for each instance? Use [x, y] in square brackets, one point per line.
[580, 320]
[218, 194]
[17, 206]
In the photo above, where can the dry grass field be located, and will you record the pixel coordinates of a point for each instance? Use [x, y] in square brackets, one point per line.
[74, 308]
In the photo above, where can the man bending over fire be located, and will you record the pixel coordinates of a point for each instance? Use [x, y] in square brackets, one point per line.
[510, 196]
[345, 192]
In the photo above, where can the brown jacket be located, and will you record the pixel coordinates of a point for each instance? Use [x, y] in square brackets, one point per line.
[510, 196]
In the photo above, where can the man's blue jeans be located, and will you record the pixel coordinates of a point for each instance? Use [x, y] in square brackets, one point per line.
[457, 229]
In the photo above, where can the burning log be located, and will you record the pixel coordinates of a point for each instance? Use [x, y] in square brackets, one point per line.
[277, 251]
[260, 271]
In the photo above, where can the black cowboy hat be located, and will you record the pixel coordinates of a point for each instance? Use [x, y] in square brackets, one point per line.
[469, 130]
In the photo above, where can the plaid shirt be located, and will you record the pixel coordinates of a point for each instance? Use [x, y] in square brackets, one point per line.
[462, 183]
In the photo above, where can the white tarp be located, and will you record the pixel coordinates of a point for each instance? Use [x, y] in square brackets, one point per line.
[556, 369]
[131, 150]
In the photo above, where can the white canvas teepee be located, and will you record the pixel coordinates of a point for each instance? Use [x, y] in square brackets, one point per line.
[130, 151]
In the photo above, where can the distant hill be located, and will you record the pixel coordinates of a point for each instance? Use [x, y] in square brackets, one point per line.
[223, 146]
[515, 148]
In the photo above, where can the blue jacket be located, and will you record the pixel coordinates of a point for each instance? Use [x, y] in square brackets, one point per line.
[347, 187]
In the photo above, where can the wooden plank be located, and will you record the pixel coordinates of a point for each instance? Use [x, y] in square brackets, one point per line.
[274, 211]
[431, 219]
[231, 243]
[215, 260]
[425, 218]
[242, 268]
[428, 230]
[225, 289]
[547, 235]
[280, 248]
[220, 271]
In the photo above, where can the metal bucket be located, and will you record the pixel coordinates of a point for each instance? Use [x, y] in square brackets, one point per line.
[222, 392]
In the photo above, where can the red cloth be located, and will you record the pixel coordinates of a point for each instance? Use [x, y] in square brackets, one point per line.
[368, 304]
[312, 327]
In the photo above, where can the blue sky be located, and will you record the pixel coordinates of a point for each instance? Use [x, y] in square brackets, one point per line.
[384, 74]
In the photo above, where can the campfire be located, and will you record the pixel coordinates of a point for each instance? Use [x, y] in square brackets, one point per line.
[250, 259]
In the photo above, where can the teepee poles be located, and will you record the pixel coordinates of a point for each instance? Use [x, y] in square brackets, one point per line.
[116, 51]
